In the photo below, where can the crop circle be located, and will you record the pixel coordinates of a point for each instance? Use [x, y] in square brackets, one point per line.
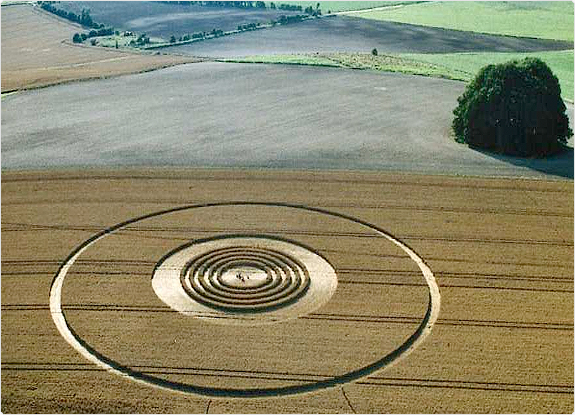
[223, 278]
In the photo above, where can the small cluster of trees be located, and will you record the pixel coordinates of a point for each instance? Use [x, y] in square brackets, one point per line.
[290, 7]
[290, 19]
[80, 37]
[249, 26]
[198, 35]
[141, 40]
[240, 4]
[314, 12]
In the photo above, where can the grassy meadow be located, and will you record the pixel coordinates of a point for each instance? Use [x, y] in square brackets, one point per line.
[539, 19]
[466, 65]
[458, 66]
[342, 6]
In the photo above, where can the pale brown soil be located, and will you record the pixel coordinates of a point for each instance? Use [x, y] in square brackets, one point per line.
[37, 50]
[501, 250]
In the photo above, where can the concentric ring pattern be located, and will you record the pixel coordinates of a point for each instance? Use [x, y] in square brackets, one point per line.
[258, 279]
[245, 279]
[256, 301]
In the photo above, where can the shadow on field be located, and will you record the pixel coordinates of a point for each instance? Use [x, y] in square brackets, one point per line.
[560, 165]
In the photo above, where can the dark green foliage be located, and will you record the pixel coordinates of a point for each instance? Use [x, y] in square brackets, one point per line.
[291, 19]
[374, 52]
[513, 108]
[313, 12]
[84, 19]
[290, 7]
[173, 39]
[143, 39]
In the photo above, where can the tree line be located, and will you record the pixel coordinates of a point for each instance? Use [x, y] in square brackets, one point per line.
[83, 18]
[80, 37]
[248, 5]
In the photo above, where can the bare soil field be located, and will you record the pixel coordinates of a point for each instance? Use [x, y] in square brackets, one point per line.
[501, 251]
[352, 34]
[37, 51]
[164, 20]
[248, 115]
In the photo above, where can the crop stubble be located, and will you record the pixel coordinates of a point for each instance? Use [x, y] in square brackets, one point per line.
[504, 340]
[37, 51]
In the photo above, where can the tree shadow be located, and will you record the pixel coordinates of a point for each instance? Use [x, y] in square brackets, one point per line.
[560, 164]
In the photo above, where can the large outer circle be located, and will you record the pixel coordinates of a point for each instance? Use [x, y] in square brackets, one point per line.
[167, 285]
[419, 335]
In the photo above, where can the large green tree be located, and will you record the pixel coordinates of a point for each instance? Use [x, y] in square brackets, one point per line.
[513, 108]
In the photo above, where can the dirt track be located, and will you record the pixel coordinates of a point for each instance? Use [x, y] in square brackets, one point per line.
[502, 251]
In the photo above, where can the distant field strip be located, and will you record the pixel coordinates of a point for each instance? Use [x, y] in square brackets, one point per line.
[457, 66]
[545, 20]
[467, 65]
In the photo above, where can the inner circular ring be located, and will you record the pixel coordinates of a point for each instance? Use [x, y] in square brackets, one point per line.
[288, 279]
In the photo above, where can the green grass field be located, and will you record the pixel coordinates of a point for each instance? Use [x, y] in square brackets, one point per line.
[468, 64]
[384, 63]
[540, 19]
[287, 60]
[458, 66]
[342, 6]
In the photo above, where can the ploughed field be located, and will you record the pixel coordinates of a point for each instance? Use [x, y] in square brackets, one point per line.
[37, 50]
[500, 249]
[328, 34]
[164, 20]
[352, 34]
[249, 115]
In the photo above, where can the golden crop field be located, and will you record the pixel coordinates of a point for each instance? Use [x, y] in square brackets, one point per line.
[501, 251]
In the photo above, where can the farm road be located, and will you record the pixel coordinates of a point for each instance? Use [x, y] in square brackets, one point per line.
[249, 115]
[353, 34]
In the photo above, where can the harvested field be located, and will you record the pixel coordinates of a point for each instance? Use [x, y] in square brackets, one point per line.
[34, 58]
[300, 117]
[500, 249]
[352, 34]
